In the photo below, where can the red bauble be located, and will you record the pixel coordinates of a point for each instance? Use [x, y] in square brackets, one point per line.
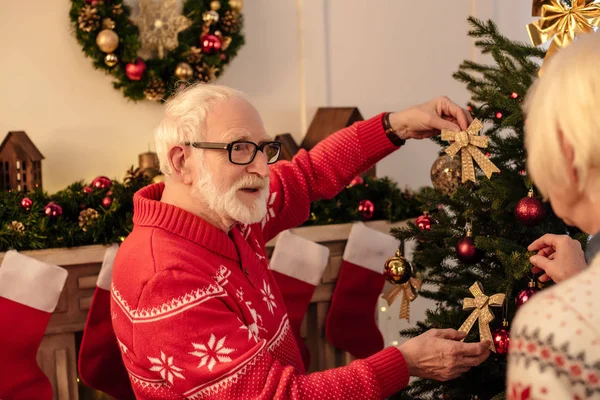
[358, 180]
[210, 44]
[423, 222]
[514, 95]
[366, 208]
[135, 71]
[498, 115]
[101, 182]
[26, 203]
[501, 340]
[53, 210]
[88, 190]
[107, 201]
[530, 211]
[466, 251]
[525, 294]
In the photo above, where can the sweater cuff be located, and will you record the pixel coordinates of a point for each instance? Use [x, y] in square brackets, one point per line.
[390, 369]
[376, 144]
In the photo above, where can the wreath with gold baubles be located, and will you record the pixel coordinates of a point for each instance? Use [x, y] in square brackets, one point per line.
[151, 46]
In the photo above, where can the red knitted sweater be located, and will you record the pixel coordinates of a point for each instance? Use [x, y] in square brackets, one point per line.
[197, 312]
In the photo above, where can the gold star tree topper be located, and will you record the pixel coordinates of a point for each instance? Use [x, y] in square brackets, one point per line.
[159, 24]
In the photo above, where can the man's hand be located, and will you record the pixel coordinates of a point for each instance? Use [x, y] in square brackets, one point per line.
[428, 119]
[559, 257]
[438, 354]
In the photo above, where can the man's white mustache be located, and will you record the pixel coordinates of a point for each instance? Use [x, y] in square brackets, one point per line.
[252, 182]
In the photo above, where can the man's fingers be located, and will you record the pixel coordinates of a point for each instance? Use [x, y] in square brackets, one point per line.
[473, 349]
[542, 263]
[546, 251]
[544, 278]
[458, 113]
[536, 270]
[450, 334]
[548, 240]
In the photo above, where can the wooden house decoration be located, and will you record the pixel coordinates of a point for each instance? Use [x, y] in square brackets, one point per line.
[20, 163]
[326, 121]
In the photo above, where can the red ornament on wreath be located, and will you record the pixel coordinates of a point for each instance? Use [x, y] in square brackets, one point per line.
[53, 210]
[26, 203]
[135, 71]
[530, 210]
[101, 182]
[88, 189]
[501, 339]
[210, 44]
[366, 208]
[424, 222]
[358, 180]
[466, 251]
[107, 202]
[525, 294]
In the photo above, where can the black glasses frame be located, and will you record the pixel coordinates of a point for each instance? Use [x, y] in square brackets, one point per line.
[229, 146]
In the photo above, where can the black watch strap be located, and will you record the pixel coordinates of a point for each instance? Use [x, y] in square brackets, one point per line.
[390, 133]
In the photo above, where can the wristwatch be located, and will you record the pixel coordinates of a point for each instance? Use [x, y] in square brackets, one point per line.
[390, 132]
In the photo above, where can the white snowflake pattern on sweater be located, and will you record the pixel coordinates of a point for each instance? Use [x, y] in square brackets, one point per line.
[268, 296]
[165, 367]
[212, 352]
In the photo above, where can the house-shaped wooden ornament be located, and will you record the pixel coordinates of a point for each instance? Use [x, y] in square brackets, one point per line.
[326, 121]
[20, 163]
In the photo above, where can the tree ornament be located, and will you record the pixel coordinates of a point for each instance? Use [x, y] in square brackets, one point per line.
[206, 73]
[501, 338]
[215, 5]
[184, 71]
[88, 189]
[111, 59]
[466, 251]
[88, 19]
[117, 9]
[480, 304]
[210, 44]
[53, 210]
[107, 40]
[194, 55]
[107, 201]
[135, 71]
[446, 174]
[155, 91]
[159, 24]
[530, 210]
[230, 22]
[17, 227]
[357, 180]
[108, 23]
[424, 222]
[87, 218]
[468, 143]
[409, 292]
[210, 17]
[101, 182]
[514, 95]
[236, 5]
[524, 295]
[366, 208]
[397, 269]
[498, 115]
[26, 203]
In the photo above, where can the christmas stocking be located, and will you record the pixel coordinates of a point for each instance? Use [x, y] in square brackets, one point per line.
[100, 364]
[298, 265]
[350, 321]
[29, 292]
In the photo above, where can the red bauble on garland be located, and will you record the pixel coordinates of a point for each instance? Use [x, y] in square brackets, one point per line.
[26, 203]
[358, 180]
[501, 339]
[53, 210]
[101, 182]
[135, 71]
[466, 251]
[525, 294]
[107, 202]
[366, 208]
[424, 222]
[530, 211]
[88, 189]
[210, 44]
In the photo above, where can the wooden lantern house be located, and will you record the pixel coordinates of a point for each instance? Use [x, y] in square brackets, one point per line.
[20, 163]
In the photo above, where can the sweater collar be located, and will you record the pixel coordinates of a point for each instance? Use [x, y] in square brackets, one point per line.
[149, 211]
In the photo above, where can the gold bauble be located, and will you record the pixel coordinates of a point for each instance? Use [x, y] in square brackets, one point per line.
[111, 59]
[397, 269]
[236, 5]
[184, 71]
[107, 40]
[215, 5]
[446, 174]
[210, 17]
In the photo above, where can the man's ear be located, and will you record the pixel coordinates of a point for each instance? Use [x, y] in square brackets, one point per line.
[569, 154]
[179, 159]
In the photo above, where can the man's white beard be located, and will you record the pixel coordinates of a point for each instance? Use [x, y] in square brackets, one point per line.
[225, 203]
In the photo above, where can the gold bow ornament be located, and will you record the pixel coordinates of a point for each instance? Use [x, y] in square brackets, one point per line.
[408, 291]
[468, 143]
[562, 23]
[480, 304]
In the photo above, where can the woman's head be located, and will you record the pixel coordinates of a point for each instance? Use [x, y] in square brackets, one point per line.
[562, 132]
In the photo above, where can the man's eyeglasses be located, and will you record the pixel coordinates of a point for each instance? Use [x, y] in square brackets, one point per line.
[242, 152]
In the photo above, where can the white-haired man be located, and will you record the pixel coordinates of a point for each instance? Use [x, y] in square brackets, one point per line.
[196, 309]
[555, 337]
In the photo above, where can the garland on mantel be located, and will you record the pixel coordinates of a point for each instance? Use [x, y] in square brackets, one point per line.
[101, 212]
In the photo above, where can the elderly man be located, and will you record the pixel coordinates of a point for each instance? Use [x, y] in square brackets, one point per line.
[555, 337]
[195, 307]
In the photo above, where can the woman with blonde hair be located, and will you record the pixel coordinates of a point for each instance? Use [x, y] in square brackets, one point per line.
[555, 337]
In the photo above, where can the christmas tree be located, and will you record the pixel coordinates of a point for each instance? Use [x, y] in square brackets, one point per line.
[480, 230]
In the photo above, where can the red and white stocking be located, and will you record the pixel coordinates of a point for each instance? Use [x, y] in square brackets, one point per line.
[29, 292]
[100, 364]
[350, 324]
[298, 265]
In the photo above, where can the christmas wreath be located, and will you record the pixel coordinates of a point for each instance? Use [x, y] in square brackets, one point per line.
[151, 53]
